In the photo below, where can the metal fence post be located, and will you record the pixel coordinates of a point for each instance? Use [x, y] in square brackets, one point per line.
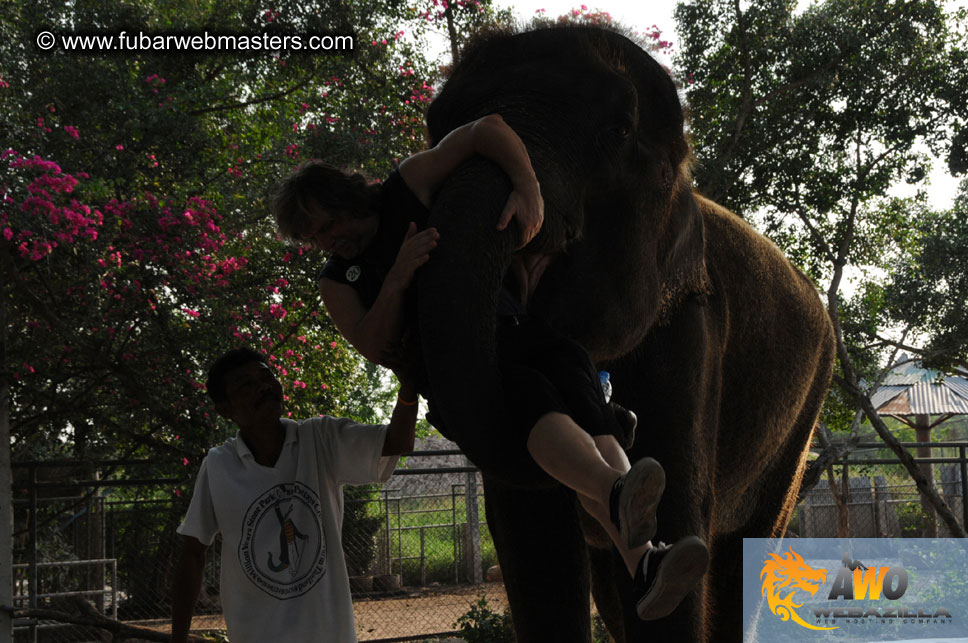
[32, 536]
[32, 576]
[472, 552]
[6, 490]
[114, 589]
[423, 558]
[386, 510]
[963, 464]
[455, 533]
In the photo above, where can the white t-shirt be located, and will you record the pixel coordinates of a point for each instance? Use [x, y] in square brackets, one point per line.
[283, 573]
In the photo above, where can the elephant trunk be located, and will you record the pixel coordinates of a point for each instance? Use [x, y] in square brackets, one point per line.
[457, 299]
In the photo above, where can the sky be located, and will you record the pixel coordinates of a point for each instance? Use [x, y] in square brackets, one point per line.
[642, 14]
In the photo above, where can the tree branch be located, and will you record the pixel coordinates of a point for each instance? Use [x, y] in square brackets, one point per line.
[91, 618]
[256, 101]
[849, 380]
[830, 454]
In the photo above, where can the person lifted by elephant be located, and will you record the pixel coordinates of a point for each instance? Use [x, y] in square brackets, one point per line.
[377, 239]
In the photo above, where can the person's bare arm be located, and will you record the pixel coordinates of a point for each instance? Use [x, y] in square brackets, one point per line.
[375, 332]
[186, 586]
[493, 139]
[400, 431]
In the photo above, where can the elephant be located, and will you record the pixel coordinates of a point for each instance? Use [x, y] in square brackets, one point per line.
[712, 337]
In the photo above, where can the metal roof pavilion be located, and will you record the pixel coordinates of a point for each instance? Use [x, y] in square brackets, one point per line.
[911, 390]
[922, 398]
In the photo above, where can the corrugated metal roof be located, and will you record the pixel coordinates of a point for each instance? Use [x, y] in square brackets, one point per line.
[885, 394]
[899, 405]
[959, 385]
[911, 390]
[910, 373]
[935, 399]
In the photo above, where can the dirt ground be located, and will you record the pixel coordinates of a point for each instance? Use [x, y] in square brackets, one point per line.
[429, 611]
[425, 613]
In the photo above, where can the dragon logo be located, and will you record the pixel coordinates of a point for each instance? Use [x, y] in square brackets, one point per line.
[782, 577]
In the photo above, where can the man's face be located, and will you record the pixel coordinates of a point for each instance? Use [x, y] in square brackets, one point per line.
[254, 395]
[340, 233]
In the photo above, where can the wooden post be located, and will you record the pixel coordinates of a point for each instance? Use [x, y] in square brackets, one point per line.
[963, 468]
[922, 426]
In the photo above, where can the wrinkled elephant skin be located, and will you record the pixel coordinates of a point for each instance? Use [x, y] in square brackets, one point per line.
[719, 345]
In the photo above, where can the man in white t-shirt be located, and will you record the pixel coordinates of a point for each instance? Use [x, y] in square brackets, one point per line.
[274, 492]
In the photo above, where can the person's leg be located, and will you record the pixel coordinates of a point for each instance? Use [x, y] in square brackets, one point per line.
[569, 455]
[662, 576]
[614, 455]
[573, 457]
[669, 572]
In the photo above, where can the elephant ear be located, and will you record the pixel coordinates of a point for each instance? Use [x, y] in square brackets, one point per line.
[683, 252]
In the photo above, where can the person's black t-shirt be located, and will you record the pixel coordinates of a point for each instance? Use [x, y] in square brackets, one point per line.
[396, 206]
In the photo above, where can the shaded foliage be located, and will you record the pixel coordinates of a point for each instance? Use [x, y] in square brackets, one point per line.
[135, 244]
[806, 122]
[930, 293]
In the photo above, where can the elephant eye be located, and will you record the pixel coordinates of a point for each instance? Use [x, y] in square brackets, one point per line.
[622, 130]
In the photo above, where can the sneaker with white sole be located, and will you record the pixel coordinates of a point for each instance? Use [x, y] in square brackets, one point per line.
[666, 574]
[634, 499]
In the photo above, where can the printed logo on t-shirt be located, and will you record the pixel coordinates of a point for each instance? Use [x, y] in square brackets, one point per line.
[283, 548]
[352, 273]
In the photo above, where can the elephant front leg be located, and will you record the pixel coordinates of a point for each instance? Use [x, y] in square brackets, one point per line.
[543, 561]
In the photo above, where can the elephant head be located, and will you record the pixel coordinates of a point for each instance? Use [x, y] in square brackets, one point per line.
[624, 237]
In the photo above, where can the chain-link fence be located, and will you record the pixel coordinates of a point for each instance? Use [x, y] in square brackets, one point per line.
[99, 538]
[870, 495]
[90, 540]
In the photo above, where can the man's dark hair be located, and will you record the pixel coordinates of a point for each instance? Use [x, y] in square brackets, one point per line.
[229, 362]
[328, 187]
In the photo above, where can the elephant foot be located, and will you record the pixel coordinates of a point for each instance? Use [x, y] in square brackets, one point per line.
[634, 499]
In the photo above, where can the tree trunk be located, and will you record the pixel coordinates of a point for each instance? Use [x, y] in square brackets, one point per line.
[6, 494]
[842, 500]
[923, 431]
[452, 34]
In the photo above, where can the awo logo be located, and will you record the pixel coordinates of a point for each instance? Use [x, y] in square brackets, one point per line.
[784, 576]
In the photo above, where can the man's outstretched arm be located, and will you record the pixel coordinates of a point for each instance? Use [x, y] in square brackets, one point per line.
[186, 586]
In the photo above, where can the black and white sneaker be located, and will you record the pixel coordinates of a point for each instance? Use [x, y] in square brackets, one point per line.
[666, 574]
[633, 501]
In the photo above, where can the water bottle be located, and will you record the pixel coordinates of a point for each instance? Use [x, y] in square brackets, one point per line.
[603, 377]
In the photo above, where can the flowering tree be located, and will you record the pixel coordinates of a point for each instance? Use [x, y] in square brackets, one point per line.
[650, 39]
[135, 244]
